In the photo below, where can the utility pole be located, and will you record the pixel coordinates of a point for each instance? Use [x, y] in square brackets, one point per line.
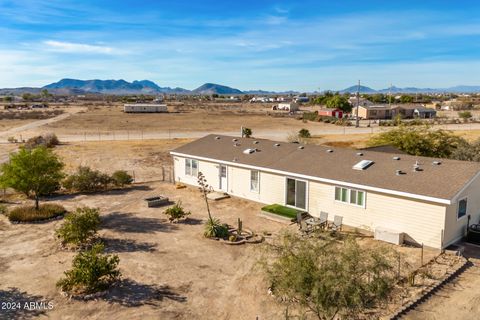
[357, 122]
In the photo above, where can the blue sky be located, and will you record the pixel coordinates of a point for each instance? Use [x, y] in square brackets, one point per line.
[262, 44]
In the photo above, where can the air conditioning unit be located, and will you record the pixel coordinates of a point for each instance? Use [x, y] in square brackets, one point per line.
[389, 235]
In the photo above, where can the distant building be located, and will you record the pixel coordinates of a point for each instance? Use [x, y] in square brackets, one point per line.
[375, 112]
[144, 108]
[301, 99]
[361, 102]
[291, 107]
[424, 113]
[337, 113]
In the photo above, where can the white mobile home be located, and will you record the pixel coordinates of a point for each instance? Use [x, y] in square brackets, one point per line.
[290, 107]
[144, 108]
[426, 199]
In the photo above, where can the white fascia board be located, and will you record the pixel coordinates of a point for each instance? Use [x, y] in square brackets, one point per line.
[312, 178]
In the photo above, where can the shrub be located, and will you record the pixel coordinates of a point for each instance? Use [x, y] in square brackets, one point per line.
[79, 226]
[214, 229]
[120, 178]
[304, 133]
[12, 140]
[247, 132]
[49, 140]
[3, 209]
[27, 213]
[176, 212]
[91, 272]
[87, 180]
[465, 115]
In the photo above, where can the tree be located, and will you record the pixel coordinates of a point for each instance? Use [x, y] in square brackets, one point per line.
[45, 95]
[304, 133]
[406, 99]
[121, 178]
[79, 226]
[339, 102]
[8, 99]
[33, 172]
[247, 132]
[327, 277]
[420, 141]
[467, 151]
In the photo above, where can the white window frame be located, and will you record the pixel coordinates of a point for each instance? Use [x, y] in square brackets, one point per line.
[458, 208]
[347, 200]
[257, 190]
[189, 170]
[306, 193]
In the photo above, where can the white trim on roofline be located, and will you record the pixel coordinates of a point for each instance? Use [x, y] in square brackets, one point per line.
[330, 181]
[456, 197]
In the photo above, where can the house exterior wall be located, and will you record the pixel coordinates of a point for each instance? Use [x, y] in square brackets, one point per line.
[457, 227]
[421, 221]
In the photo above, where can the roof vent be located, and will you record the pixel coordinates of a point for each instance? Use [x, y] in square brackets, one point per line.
[235, 140]
[399, 172]
[255, 142]
[249, 151]
[436, 163]
[296, 142]
[277, 144]
[236, 144]
[235, 160]
[362, 165]
[359, 154]
[416, 167]
[301, 147]
[396, 158]
[217, 138]
[329, 150]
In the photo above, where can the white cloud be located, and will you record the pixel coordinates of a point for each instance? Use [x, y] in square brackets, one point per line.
[70, 47]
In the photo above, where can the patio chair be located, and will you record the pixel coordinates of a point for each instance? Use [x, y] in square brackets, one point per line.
[337, 223]
[323, 219]
[304, 227]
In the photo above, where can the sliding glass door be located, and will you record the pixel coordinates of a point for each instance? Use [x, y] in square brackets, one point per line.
[296, 193]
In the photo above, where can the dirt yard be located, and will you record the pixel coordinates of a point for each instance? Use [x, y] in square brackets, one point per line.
[169, 270]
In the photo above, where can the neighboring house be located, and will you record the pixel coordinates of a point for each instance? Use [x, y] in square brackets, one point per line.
[405, 193]
[337, 113]
[375, 112]
[290, 107]
[299, 99]
[424, 113]
[361, 102]
[144, 108]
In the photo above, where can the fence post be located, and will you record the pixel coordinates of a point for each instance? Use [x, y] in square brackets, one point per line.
[421, 258]
[163, 173]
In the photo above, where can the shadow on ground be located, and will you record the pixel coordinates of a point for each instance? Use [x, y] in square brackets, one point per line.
[114, 245]
[192, 221]
[130, 293]
[128, 222]
[17, 309]
[114, 192]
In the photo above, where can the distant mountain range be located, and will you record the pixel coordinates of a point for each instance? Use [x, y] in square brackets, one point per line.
[393, 89]
[75, 86]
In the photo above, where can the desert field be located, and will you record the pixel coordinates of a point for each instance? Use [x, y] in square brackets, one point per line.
[170, 271]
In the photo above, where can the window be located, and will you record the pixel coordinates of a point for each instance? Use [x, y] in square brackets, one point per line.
[296, 193]
[191, 167]
[462, 208]
[254, 181]
[351, 196]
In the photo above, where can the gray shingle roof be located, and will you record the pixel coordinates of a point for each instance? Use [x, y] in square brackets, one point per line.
[442, 181]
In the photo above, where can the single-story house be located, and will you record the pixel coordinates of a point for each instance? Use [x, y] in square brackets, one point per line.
[360, 101]
[144, 108]
[326, 112]
[287, 106]
[428, 200]
[375, 112]
[424, 113]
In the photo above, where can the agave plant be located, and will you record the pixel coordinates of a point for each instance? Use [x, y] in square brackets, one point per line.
[215, 229]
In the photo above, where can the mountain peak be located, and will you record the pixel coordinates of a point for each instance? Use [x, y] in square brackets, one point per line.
[213, 88]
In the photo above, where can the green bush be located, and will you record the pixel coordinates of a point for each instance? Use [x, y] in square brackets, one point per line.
[214, 229]
[304, 133]
[120, 178]
[87, 180]
[27, 213]
[48, 140]
[92, 271]
[176, 212]
[79, 226]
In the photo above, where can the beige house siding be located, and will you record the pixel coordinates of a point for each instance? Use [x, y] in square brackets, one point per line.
[457, 227]
[421, 222]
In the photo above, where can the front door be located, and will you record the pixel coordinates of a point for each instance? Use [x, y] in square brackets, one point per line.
[223, 178]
